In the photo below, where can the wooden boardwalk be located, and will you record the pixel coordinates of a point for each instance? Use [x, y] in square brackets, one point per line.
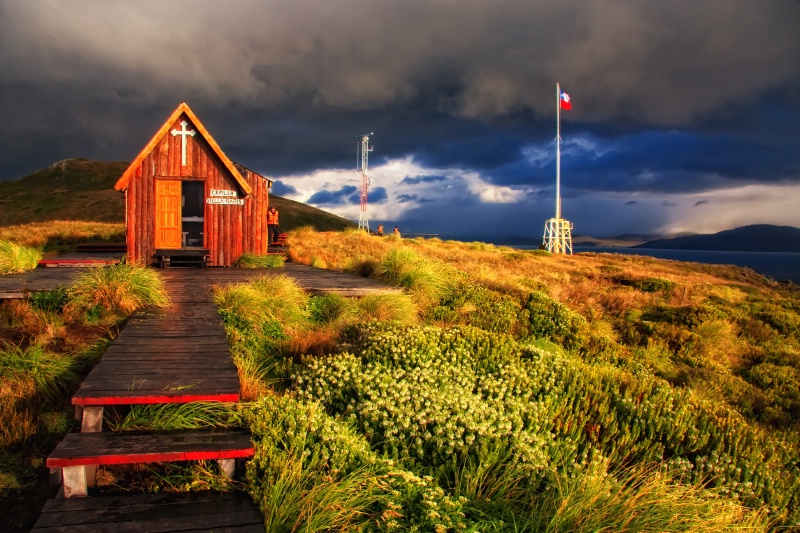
[313, 280]
[178, 354]
[171, 355]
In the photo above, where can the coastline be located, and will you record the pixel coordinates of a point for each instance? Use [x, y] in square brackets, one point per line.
[781, 266]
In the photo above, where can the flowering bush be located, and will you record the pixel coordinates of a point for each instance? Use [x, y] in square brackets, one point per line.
[437, 397]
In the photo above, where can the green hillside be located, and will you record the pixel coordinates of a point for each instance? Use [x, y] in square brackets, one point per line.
[73, 189]
[81, 189]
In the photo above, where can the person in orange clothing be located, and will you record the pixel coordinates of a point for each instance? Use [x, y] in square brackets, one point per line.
[380, 230]
[272, 225]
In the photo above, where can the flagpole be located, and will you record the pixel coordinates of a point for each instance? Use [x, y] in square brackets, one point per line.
[558, 150]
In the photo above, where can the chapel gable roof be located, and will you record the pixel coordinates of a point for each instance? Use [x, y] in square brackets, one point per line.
[183, 108]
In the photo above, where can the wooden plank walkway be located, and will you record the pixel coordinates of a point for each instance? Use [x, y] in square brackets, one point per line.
[178, 354]
[314, 280]
[172, 355]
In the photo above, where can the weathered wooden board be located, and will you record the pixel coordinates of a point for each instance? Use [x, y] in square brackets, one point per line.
[152, 513]
[128, 447]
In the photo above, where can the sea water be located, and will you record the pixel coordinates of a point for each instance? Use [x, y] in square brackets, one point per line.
[777, 265]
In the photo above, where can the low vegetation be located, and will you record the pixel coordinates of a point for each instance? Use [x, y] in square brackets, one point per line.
[15, 258]
[523, 391]
[48, 343]
[62, 235]
[503, 390]
[250, 260]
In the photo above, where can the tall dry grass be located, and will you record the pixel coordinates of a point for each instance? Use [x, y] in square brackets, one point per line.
[640, 500]
[116, 290]
[39, 234]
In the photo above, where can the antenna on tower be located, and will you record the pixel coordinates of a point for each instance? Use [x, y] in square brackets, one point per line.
[363, 148]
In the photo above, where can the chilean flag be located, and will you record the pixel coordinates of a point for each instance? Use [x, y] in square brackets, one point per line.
[565, 103]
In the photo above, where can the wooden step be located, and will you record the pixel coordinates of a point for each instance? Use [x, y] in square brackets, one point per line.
[79, 453]
[126, 447]
[152, 513]
[76, 263]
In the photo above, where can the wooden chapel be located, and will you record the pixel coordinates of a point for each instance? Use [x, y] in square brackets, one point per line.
[185, 198]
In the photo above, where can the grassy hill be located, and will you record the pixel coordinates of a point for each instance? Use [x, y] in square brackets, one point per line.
[73, 189]
[81, 189]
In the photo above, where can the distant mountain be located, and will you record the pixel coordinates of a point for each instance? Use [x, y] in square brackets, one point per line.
[755, 238]
[81, 189]
[617, 241]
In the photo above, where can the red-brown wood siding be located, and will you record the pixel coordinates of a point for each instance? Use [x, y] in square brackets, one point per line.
[230, 230]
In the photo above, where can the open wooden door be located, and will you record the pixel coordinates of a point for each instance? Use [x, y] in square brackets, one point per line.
[168, 213]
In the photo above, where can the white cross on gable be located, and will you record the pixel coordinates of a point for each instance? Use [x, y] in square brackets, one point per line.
[183, 133]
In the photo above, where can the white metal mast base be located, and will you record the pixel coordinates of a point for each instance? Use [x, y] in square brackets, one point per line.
[558, 236]
[558, 231]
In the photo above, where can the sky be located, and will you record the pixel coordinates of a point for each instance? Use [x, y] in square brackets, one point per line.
[685, 113]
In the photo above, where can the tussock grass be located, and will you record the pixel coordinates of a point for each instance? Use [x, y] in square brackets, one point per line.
[15, 258]
[426, 280]
[261, 317]
[641, 500]
[114, 291]
[173, 416]
[48, 373]
[249, 260]
[398, 308]
[266, 301]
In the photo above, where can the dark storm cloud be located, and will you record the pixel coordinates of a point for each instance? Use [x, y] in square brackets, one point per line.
[668, 95]
[404, 198]
[414, 199]
[378, 195]
[342, 196]
[408, 180]
[282, 189]
[700, 202]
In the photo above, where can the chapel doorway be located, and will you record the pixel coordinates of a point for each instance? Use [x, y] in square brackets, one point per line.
[180, 213]
[192, 221]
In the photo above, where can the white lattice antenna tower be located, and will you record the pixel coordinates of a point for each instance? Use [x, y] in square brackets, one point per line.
[558, 231]
[363, 149]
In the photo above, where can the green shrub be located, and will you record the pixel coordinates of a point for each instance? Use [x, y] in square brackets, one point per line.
[49, 301]
[481, 307]
[552, 320]
[439, 399]
[655, 285]
[313, 473]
